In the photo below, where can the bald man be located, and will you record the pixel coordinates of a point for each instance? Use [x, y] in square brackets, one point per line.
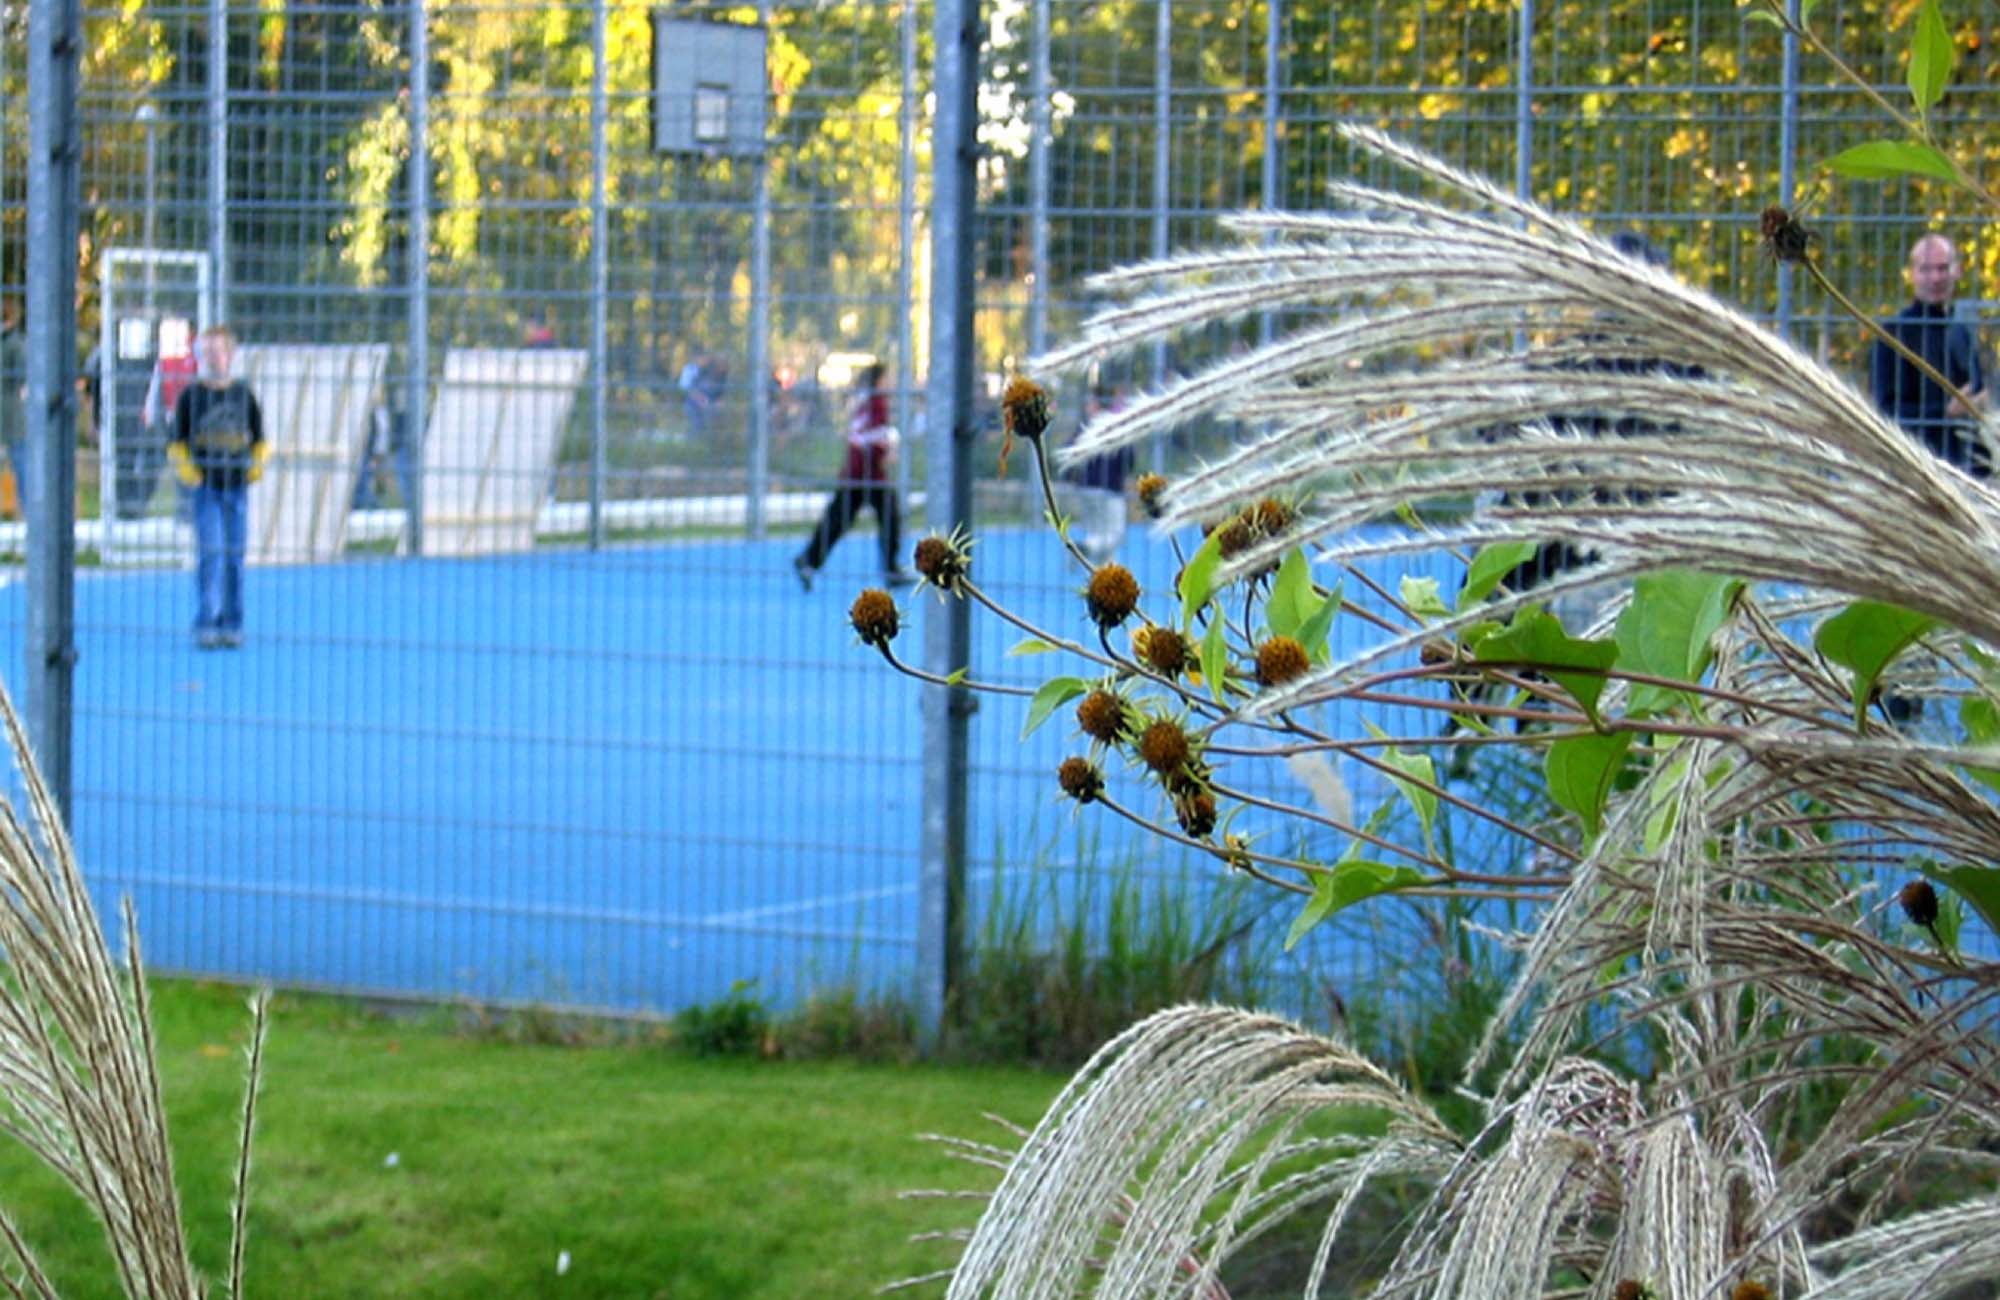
[1913, 399]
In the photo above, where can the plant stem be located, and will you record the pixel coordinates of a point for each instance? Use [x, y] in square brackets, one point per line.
[1049, 499]
[1897, 345]
[910, 670]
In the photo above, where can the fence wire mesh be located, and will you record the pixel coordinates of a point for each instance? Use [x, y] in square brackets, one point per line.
[531, 707]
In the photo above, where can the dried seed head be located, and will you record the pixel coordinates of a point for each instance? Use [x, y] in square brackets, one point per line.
[1112, 595]
[1191, 777]
[943, 561]
[1280, 660]
[1025, 408]
[1164, 747]
[1273, 516]
[1237, 536]
[1196, 813]
[1080, 779]
[1920, 902]
[1165, 651]
[1629, 1289]
[1101, 715]
[1149, 488]
[1748, 1290]
[874, 617]
[1787, 239]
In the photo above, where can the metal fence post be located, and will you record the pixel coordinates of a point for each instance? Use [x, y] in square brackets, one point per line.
[906, 218]
[55, 38]
[218, 158]
[1274, 19]
[1163, 108]
[760, 329]
[600, 235]
[415, 416]
[1788, 161]
[948, 479]
[1040, 139]
[1524, 105]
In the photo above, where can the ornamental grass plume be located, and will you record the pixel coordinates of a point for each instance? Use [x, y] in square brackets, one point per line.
[1729, 899]
[79, 1077]
[1753, 460]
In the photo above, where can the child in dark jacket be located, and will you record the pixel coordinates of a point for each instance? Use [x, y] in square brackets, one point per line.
[217, 447]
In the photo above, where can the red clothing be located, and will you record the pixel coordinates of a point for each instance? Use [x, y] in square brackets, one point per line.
[870, 437]
[170, 376]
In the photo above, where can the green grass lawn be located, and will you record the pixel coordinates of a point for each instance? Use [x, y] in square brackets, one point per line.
[660, 1174]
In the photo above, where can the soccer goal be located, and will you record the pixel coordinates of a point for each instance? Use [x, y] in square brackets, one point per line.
[155, 302]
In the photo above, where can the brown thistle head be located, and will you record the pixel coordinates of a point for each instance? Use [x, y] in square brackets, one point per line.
[1281, 659]
[1150, 487]
[1080, 779]
[1164, 650]
[873, 615]
[1101, 716]
[943, 561]
[1112, 595]
[1920, 902]
[1164, 747]
[1195, 810]
[1785, 236]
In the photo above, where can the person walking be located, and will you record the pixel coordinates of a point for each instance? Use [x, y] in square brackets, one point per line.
[864, 481]
[217, 447]
[1097, 492]
[14, 399]
[1914, 400]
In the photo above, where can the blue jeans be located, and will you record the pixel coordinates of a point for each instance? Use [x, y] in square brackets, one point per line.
[221, 532]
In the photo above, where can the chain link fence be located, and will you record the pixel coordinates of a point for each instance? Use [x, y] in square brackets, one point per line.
[531, 707]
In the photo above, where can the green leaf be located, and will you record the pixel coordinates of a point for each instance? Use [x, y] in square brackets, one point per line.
[1881, 159]
[1864, 638]
[1492, 564]
[1580, 771]
[1418, 766]
[1054, 693]
[1665, 796]
[1981, 723]
[1215, 658]
[1979, 886]
[1314, 632]
[1950, 920]
[1806, 11]
[1764, 16]
[1032, 646]
[1198, 578]
[1293, 600]
[1535, 637]
[1421, 596]
[1472, 634]
[954, 677]
[1666, 630]
[1931, 57]
[1348, 882]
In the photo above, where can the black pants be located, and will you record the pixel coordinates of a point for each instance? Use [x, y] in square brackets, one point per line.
[847, 501]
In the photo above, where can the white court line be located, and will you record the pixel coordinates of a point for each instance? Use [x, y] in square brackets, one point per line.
[747, 915]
